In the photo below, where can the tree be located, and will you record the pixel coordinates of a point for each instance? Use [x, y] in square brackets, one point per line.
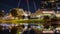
[46, 17]
[2, 13]
[47, 21]
[54, 20]
[14, 12]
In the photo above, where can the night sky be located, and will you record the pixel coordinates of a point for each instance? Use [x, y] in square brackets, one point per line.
[8, 4]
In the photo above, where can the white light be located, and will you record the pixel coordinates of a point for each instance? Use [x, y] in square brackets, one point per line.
[48, 12]
[38, 15]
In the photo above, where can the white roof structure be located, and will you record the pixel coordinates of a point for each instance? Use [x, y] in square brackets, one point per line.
[25, 14]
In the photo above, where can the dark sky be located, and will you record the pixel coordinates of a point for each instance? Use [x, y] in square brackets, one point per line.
[8, 4]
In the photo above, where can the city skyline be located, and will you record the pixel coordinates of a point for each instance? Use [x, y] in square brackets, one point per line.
[31, 5]
[8, 4]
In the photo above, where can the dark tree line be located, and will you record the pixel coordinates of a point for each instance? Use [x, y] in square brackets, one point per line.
[14, 12]
[2, 13]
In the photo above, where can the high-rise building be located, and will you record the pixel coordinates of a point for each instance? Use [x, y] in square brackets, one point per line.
[48, 4]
